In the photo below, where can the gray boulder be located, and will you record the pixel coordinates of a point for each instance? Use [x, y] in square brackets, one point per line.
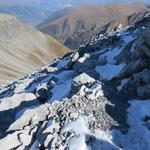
[80, 80]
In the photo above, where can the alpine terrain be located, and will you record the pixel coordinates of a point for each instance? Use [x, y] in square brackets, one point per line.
[96, 98]
[75, 26]
[24, 49]
[28, 15]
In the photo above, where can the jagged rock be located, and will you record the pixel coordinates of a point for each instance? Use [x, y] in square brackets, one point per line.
[81, 80]
[134, 67]
[144, 91]
[73, 59]
[42, 93]
[92, 107]
[143, 77]
[143, 46]
[94, 92]
[142, 50]
[78, 54]
[86, 64]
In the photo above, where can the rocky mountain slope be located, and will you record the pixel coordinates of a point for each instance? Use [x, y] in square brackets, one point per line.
[95, 98]
[26, 14]
[76, 26]
[24, 49]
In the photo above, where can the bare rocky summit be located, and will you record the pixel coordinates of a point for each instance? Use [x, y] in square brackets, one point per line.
[24, 49]
[97, 97]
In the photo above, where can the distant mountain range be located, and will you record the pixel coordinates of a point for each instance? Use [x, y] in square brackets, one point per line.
[24, 49]
[27, 14]
[55, 5]
[75, 26]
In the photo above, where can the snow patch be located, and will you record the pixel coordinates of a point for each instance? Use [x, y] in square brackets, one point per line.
[80, 127]
[82, 59]
[84, 139]
[30, 115]
[61, 90]
[15, 101]
[65, 75]
[138, 136]
[108, 71]
[111, 54]
[21, 85]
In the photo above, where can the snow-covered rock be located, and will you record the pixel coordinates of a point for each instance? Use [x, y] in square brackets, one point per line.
[88, 98]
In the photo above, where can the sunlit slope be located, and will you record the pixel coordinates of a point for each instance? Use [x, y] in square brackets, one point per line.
[23, 48]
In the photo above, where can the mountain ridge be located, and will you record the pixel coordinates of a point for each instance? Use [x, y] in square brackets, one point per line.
[97, 97]
[79, 24]
[23, 48]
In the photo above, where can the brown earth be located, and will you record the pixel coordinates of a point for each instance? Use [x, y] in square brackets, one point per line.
[24, 49]
[76, 26]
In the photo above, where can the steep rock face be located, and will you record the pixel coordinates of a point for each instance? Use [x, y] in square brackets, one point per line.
[24, 49]
[95, 98]
[76, 26]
